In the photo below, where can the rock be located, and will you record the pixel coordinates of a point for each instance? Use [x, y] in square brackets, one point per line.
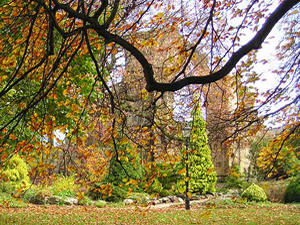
[208, 195]
[233, 191]
[39, 200]
[128, 201]
[196, 197]
[53, 200]
[180, 200]
[227, 196]
[181, 196]
[139, 197]
[165, 200]
[156, 202]
[174, 199]
[171, 198]
[71, 201]
[34, 200]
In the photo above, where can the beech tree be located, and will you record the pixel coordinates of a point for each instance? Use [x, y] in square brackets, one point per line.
[61, 60]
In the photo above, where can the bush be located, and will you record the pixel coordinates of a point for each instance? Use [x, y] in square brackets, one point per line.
[233, 180]
[116, 185]
[100, 203]
[6, 200]
[30, 193]
[156, 187]
[169, 176]
[85, 201]
[141, 198]
[14, 176]
[64, 187]
[108, 192]
[39, 196]
[128, 165]
[118, 194]
[254, 193]
[292, 193]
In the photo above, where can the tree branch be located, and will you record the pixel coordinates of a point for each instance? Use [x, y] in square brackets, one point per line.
[254, 43]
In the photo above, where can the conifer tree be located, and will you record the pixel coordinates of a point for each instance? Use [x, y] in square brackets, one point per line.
[202, 174]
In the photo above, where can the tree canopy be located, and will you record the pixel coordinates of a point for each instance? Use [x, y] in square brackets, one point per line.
[62, 63]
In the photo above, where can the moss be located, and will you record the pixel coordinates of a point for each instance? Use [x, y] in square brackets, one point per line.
[254, 193]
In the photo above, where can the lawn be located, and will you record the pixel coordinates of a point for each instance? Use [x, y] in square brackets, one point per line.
[200, 214]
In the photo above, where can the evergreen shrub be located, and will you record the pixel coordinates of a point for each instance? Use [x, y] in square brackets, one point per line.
[14, 176]
[254, 193]
[202, 174]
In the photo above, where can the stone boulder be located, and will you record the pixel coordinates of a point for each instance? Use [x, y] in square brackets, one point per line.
[71, 201]
[128, 201]
[54, 200]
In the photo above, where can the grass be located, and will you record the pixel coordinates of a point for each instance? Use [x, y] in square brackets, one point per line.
[200, 214]
[6, 200]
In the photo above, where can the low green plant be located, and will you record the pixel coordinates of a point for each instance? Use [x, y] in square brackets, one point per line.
[292, 193]
[85, 201]
[108, 192]
[139, 197]
[64, 186]
[156, 186]
[14, 175]
[254, 193]
[234, 179]
[39, 195]
[116, 204]
[100, 203]
[6, 200]
[30, 193]
[169, 176]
